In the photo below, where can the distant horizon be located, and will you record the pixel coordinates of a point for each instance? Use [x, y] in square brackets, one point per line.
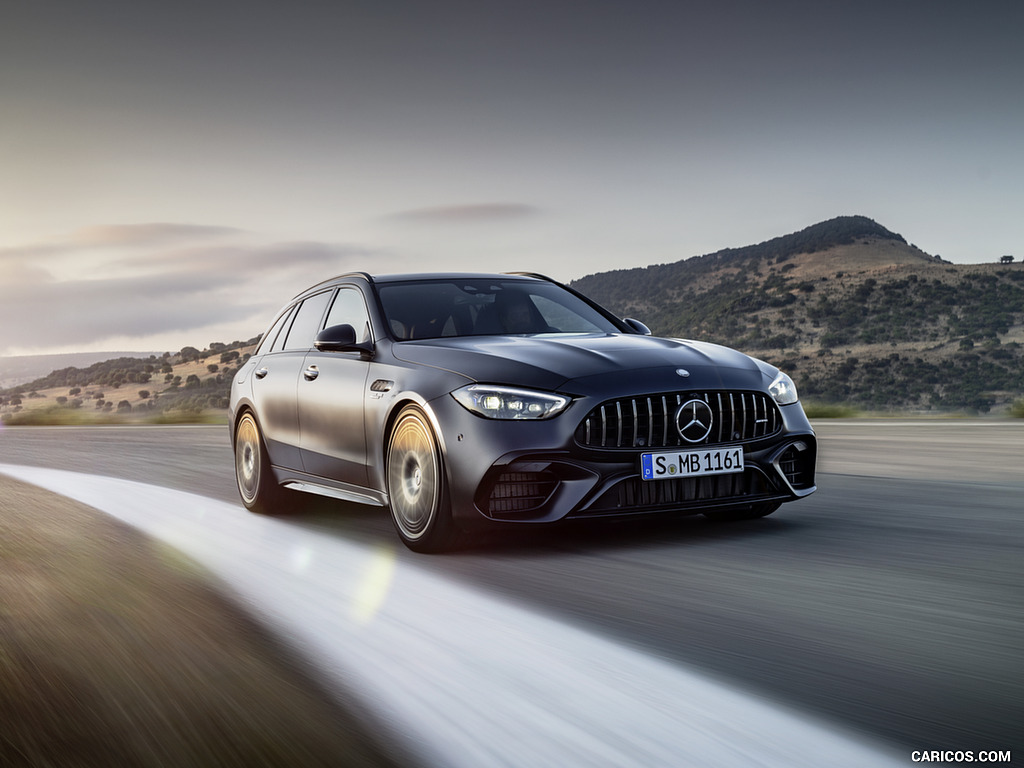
[98, 349]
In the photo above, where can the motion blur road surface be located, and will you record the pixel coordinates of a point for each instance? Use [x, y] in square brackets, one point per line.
[890, 602]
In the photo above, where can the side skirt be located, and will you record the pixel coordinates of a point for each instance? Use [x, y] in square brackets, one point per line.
[299, 481]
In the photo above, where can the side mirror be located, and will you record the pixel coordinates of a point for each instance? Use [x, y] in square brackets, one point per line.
[637, 326]
[339, 338]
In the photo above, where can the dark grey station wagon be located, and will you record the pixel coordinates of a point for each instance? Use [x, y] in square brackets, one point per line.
[464, 400]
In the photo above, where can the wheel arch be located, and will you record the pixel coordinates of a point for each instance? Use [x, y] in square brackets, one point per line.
[241, 409]
[391, 418]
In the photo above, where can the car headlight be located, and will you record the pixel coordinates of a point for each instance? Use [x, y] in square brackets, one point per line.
[783, 390]
[494, 402]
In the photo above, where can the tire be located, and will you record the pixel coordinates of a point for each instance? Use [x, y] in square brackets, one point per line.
[256, 485]
[743, 513]
[417, 486]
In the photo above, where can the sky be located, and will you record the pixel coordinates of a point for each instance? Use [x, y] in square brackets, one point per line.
[172, 173]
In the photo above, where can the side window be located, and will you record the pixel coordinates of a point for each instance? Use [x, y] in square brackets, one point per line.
[279, 341]
[267, 342]
[307, 322]
[350, 309]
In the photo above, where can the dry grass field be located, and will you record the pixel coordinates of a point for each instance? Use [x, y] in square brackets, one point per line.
[102, 405]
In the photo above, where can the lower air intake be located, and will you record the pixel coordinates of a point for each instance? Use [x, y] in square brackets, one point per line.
[517, 493]
[798, 467]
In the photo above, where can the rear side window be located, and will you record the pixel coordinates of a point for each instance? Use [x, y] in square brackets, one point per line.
[307, 322]
[267, 343]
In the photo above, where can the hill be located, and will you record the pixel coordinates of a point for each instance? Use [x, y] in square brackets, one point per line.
[856, 314]
[851, 310]
[22, 369]
[174, 386]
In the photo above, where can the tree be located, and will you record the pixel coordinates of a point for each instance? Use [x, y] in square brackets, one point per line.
[144, 394]
[188, 353]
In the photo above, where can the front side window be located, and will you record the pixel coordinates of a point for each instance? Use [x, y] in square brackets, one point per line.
[307, 322]
[350, 309]
[431, 309]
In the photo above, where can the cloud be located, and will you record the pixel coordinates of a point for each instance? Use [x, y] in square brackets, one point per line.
[314, 254]
[265, 275]
[118, 236]
[147, 235]
[35, 251]
[17, 273]
[242, 261]
[79, 312]
[155, 283]
[467, 214]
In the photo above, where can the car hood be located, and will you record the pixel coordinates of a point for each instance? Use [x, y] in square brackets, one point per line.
[583, 362]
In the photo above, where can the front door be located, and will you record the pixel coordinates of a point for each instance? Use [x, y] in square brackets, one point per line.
[332, 391]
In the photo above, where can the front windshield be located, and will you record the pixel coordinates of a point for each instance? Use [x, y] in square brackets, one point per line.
[431, 309]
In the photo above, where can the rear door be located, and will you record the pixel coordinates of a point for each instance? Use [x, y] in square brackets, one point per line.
[276, 378]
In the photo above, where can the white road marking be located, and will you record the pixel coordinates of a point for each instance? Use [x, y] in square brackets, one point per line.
[463, 678]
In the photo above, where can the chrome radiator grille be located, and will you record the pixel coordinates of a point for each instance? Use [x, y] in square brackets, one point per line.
[650, 421]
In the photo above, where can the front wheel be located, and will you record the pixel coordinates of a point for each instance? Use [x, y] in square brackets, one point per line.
[416, 484]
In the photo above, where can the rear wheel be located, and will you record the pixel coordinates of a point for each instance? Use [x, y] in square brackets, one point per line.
[743, 513]
[417, 489]
[256, 484]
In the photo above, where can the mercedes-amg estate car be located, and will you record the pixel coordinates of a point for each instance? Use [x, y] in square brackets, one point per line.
[461, 400]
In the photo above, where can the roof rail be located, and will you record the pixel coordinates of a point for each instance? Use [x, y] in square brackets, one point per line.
[538, 275]
[364, 275]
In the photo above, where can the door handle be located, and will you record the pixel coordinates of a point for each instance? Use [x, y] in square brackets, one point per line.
[311, 373]
[261, 373]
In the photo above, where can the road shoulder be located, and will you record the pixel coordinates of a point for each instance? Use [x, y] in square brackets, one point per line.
[117, 650]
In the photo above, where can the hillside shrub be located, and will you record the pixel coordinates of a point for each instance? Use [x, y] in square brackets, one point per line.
[830, 411]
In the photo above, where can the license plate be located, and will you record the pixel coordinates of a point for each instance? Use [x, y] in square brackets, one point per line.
[718, 461]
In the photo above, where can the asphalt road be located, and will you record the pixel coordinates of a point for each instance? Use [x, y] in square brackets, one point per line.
[890, 602]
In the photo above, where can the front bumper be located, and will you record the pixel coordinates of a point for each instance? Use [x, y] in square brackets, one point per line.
[536, 472]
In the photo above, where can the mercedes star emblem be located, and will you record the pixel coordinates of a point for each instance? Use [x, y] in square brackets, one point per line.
[694, 420]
